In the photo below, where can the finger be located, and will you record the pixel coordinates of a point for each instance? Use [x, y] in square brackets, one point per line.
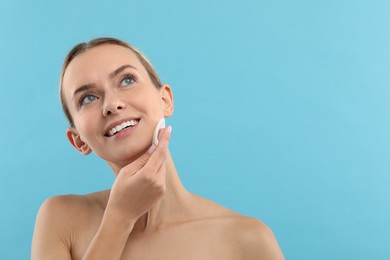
[160, 133]
[140, 162]
[158, 157]
[145, 157]
[162, 173]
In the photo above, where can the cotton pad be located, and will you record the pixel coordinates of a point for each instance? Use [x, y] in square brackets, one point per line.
[161, 124]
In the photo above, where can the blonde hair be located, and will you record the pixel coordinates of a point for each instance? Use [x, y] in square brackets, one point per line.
[82, 47]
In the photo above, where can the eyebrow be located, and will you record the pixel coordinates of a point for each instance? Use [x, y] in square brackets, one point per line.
[82, 89]
[120, 69]
[112, 75]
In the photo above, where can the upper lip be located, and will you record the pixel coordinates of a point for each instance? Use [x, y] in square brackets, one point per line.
[112, 125]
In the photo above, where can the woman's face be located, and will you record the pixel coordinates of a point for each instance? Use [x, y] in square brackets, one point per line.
[107, 88]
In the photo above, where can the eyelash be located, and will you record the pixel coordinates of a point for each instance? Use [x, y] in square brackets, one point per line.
[84, 96]
[128, 75]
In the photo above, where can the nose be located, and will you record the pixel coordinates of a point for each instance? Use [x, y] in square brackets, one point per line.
[112, 105]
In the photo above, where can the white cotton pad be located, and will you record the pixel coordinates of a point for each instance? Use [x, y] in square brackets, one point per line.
[161, 124]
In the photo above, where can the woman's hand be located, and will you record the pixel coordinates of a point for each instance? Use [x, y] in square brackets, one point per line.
[140, 184]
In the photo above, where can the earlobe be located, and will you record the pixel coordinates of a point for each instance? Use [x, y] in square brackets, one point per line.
[77, 142]
[167, 99]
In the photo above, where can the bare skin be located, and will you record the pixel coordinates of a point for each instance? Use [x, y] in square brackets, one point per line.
[148, 213]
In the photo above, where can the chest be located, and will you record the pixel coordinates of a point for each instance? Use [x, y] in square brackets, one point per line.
[181, 242]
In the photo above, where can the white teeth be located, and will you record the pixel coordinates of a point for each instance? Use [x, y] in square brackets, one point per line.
[120, 127]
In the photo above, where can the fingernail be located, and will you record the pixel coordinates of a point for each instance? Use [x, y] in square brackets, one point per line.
[170, 129]
[151, 148]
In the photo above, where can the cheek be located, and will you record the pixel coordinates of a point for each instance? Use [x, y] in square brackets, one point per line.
[86, 123]
[149, 101]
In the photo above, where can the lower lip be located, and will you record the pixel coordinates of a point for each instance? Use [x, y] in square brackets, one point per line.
[125, 132]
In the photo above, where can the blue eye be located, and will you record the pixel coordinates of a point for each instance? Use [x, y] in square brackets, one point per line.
[128, 80]
[87, 99]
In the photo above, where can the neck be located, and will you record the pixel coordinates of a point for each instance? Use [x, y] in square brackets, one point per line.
[172, 207]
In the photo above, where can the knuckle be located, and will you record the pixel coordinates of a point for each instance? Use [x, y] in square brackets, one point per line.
[149, 179]
[158, 187]
[161, 188]
[160, 191]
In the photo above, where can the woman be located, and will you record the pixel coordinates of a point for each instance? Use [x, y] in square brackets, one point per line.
[113, 99]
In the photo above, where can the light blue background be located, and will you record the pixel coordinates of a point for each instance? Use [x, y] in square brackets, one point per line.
[282, 112]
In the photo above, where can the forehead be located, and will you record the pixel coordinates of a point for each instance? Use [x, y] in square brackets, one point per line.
[96, 64]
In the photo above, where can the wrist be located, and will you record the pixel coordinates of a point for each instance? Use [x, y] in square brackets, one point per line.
[117, 218]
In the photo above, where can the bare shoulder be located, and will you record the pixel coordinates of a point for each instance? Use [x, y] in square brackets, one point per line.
[253, 239]
[63, 208]
[249, 238]
[58, 219]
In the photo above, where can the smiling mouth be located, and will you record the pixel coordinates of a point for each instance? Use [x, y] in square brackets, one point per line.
[117, 129]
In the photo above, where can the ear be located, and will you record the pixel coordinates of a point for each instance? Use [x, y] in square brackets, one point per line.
[77, 142]
[167, 100]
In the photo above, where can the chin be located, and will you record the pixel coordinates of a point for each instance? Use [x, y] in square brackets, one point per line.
[123, 156]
